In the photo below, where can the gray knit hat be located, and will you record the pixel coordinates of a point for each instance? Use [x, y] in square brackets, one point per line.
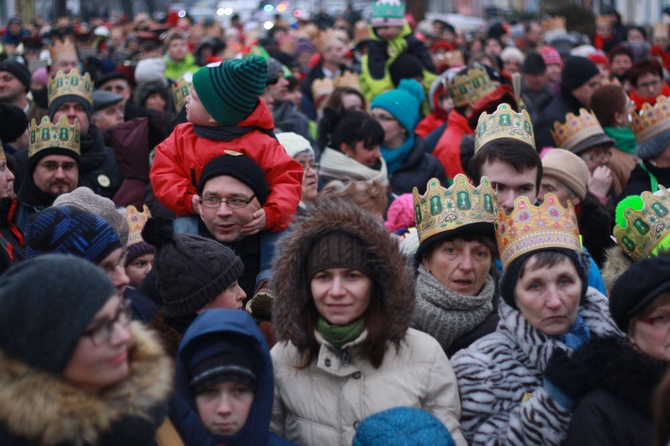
[191, 270]
[46, 303]
[654, 146]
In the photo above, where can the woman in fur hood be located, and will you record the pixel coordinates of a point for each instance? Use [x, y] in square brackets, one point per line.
[344, 301]
[74, 369]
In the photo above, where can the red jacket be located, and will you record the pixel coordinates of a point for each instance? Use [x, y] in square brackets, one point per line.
[181, 157]
[448, 148]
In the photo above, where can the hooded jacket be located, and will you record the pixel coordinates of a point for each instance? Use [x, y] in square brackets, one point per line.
[183, 412]
[324, 402]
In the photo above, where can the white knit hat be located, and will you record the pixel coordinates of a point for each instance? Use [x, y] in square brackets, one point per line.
[295, 144]
[152, 69]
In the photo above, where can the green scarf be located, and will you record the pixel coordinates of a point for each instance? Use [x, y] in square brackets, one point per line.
[624, 138]
[339, 335]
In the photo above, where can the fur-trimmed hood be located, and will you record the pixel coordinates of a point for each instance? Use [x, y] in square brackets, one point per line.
[43, 410]
[616, 263]
[389, 270]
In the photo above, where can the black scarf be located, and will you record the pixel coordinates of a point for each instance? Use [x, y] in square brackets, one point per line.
[33, 196]
[92, 147]
[227, 133]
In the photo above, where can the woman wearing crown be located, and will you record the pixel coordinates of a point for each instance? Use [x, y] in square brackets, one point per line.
[457, 296]
[518, 385]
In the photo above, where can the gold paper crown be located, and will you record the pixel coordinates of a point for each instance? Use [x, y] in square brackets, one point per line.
[661, 30]
[553, 23]
[322, 87]
[647, 227]
[49, 135]
[454, 58]
[529, 228]
[467, 88]
[504, 123]
[576, 129]
[361, 31]
[179, 92]
[136, 221]
[61, 47]
[348, 79]
[443, 210]
[71, 83]
[651, 121]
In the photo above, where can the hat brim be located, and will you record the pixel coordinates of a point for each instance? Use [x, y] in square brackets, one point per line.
[590, 142]
[651, 296]
[482, 229]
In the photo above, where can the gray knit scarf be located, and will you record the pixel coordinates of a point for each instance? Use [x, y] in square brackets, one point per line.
[445, 314]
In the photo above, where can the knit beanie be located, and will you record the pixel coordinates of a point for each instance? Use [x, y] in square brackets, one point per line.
[551, 56]
[402, 426]
[18, 70]
[275, 70]
[295, 144]
[599, 58]
[230, 91]
[304, 46]
[568, 168]
[70, 230]
[191, 270]
[512, 53]
[46, 304]
[388, 13]
[576, 72]
[240, 167]
[402, 103]
[152, 69]
[534, 64]
[406, 66]
[400, 214]
[654, 146]
[337, 250]
[85, 199]
[14, 123]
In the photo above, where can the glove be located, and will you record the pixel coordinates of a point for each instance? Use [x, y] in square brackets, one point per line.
[563, 379]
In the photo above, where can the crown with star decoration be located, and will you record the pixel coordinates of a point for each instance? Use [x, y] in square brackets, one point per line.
[469, 87]
[504, 123]
[651, 120]
[576, 129]
[48, 135]
[70, 84]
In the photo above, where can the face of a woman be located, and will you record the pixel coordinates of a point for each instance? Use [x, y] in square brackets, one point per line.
[548, 297]
[352, 102]
[341, 295]
[460, 265]
[652, 332]
[393, 130]
[367, 156]
[93, 367]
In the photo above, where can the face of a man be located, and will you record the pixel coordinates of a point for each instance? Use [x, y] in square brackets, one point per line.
[224, 223]
[118, 86]
[64, 62]
[73, 110]
[11, 89]
[108, 117]
[56, 174]
[510, 184]
[336, 53]
[279, 90]
[534, 82]
[177, 50]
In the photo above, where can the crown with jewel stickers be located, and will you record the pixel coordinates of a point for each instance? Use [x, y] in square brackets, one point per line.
[347, 79]
[576, 129]
[530, 228]
[136, 221]
[647, 227]
[467, 88]
[504, 123]
[61, 47]
[442, 210]
[48, 135]
[651, 120]
[179, 92]
[70, 84]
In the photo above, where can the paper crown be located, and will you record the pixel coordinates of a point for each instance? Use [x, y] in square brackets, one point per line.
[651, 121]
[179, 92]
[442, 210]
[576, 129]
[71, 83]
[389, 9]
[361, 31]
[61, 47]
[504, 123]
[322, 87]
[451, 58]
[325, 38]
[467, 88]
[347, 79]
[647, 227]
[530, 228]
[48, 135]
[136, 221]
[661, 30]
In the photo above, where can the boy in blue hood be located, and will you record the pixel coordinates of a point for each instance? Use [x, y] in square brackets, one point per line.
[225, 382]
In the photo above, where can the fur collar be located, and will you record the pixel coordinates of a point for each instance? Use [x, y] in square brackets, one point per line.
[43, 409]
[616, 263]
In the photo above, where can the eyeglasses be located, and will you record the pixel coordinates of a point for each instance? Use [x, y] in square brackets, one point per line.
[660, 321]
[52, 166]
[597, 155]
[102, 332]
[651, 84]
[232, 203]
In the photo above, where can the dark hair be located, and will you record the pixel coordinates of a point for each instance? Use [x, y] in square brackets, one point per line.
[606, 101]
[662, 411]
[620, 50]
[642, 67]
[543, 259]
[335, 98]
[348, 127]
[293, 83]
[638, 28]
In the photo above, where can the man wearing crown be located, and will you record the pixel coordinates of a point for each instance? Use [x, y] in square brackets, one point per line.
[63, 57]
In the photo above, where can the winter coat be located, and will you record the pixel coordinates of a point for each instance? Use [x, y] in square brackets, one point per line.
[561, 105]
[617, 411]
[417, 169]
[180, 159]
[183, 411]
[448, 149]
[130, 140]
[501, 384]
[595, 226]
[37, 408]
[324, 402]
[536, 101]
[640, 180]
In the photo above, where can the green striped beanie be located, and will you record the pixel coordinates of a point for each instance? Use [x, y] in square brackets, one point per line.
[229, 91]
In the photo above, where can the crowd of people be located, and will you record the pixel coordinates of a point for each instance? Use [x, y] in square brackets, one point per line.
[340, 231]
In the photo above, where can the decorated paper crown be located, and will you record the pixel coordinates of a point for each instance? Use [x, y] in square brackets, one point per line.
[645, 228]
[651, 121]
[504, 123]
[467, 88]
[61, 47]
[322, 87]
[442, 210]
[361, 31]
[348, 79]
[136, 221]
[389, 9]
[576, 129]
[179, 92]
[71, 83]
[529, 228]
[49, 135]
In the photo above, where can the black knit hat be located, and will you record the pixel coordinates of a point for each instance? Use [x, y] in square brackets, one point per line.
[576, 72]
[14, 123]
[406, 66]
[191, 270]
[337, 250]
[113, 75]
[534, 64]
[18, 70]
[218, 359]
[60, 100]
[240, 167]
[46, 303]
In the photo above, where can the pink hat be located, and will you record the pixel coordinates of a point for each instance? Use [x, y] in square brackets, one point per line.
[41, 75]
[598, 58]
[551, 56]
[400, 214]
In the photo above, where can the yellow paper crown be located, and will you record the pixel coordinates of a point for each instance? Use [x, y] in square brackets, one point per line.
[49, 135]
[530, 228]
[179, 92]
[646, 227]
[347, 79]
[61, 47]
[576, 129]
[136, 221]
[467, 88]
[504, 123]
[651, 121]
[361, 31]
[322, 87]
[327, 37]
[70, 84]
[442, 210]
[661, 30]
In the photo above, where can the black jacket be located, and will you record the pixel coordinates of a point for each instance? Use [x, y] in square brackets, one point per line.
[560, 105]
[419, 167]
[640, 180]
[595, 226]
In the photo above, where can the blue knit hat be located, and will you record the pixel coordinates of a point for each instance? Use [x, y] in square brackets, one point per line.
[403, 103]
[402, 426]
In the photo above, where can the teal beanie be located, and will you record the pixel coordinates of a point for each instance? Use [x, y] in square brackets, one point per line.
[229, 91]
[403, 103]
